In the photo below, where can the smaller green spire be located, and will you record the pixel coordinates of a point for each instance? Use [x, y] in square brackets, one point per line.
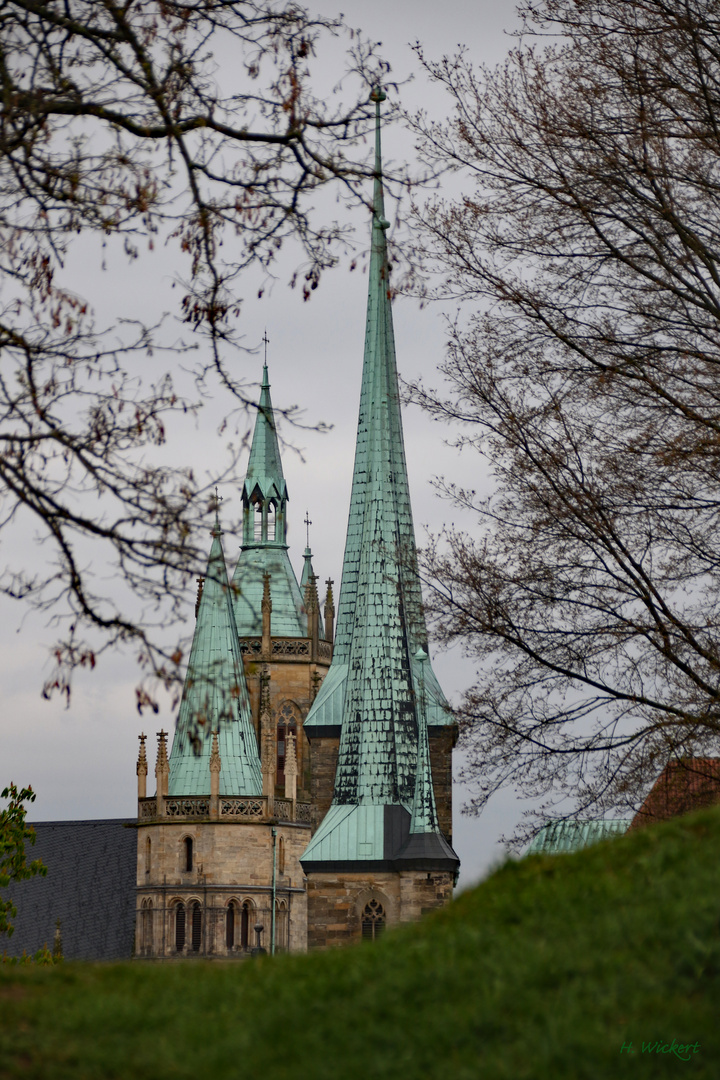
[215, 697]
[264, 479]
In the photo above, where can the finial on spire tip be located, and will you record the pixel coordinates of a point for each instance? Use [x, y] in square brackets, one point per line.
[377, 95]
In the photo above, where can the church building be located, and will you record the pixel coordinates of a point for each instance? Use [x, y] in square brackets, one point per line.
[307, 797]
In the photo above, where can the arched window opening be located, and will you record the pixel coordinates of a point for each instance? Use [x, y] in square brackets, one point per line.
[188, 852]
[271, 519]
[148, 854]
[179, 927]
[257, 521]
[196, 927]
[373, 920]
[230, 925]
[281, 856]
[281, 926]
[146, 927]
[245, 918]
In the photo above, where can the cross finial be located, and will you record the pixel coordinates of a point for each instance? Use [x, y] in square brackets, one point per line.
[308, 523]
[266, 341]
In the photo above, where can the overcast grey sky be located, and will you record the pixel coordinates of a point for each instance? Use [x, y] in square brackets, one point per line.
[81, 760]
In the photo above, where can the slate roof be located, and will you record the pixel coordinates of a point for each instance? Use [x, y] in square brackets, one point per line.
[567, 836]
[215, 697]
[373, 684]
[683, 786]
[90, 887]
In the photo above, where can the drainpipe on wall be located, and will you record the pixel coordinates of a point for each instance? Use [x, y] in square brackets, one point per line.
[272, 923]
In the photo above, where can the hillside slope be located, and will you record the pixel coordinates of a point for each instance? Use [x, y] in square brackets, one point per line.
[543, 971]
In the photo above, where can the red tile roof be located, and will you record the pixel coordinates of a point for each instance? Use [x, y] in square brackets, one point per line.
[685, 785]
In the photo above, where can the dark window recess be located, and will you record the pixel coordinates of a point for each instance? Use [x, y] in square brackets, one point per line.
[196, 928]
[230, 926]
[188, 853]
[373, 920]
[245, 926]
[180, 926]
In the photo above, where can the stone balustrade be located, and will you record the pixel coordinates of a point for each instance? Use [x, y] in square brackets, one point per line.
[260, 808]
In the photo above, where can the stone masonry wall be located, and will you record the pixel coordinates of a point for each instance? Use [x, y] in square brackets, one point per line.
[323, 758]
[336, 901]
[442, 741]
[231, 862]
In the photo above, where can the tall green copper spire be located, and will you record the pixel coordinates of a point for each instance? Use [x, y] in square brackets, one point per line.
[215, 698]
[372, 687]
[264, 542]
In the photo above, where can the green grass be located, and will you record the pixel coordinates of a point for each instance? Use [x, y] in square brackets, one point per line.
[543, 971]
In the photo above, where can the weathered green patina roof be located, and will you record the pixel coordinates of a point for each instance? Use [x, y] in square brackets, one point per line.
[264, 470]
[288, 611]
[566, 836]
[307, 573]
[373, 683]
[215, 697]
[267, 556]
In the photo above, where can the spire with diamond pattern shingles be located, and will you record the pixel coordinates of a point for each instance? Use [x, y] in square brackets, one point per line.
[373, 681]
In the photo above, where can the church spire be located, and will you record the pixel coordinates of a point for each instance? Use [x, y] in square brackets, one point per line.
[264, 541]
[373, 683]
[215, 697]
[264, 493]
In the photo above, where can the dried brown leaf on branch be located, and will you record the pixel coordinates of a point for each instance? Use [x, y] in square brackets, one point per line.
[182, 123]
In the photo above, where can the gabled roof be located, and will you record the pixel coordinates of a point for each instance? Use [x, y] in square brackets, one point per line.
[215, 697]
[264, 469]
[684, 785]
[374, 680]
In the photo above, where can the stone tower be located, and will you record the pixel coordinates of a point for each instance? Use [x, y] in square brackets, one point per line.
[286, 646]
[218, 852]
[381, 739]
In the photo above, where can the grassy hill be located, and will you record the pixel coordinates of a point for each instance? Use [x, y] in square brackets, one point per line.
[543, 971]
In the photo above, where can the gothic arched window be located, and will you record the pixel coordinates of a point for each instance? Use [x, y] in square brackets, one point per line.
[373, 920]
[230, 924]
[196, 927]
[245, 916]
[179, 927]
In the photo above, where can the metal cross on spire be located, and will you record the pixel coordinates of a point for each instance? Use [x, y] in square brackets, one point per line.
[266, 341]
[308, 523]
